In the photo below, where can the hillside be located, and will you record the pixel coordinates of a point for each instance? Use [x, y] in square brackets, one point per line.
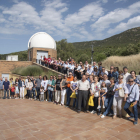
[131, 36]
[123, 44]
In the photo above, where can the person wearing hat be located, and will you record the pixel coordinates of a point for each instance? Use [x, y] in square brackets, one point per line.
[125, 75]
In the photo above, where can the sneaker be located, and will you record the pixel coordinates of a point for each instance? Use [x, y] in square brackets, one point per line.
[99, 107]
[130, 118]
[103, 106]
[135, 123]
[102, 116]
[92, 112]
[46, 100]
[99, 114]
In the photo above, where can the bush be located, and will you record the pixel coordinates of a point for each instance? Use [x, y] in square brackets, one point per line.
[29, 70]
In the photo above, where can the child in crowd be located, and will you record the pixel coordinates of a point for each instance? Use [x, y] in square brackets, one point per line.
[16, 91]
[41, 94]
[12, 91]
[102, 95]
[74, 88]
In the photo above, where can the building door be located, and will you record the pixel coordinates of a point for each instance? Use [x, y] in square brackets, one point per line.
[41, 53]
[5, 76]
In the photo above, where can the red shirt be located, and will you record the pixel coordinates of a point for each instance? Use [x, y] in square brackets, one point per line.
[12, 89]
[45, 59]
[49, 60]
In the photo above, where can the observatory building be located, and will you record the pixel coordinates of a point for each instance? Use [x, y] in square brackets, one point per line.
[41, 44]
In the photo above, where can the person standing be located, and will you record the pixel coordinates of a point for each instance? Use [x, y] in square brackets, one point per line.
[104, 71]
[94, 90]
[89, 70]
[109, 99]
[63, 86]
[125, 75]
[6, 87]
[83, 87]
[53, 86]
[131, 98]
[110, 73]
[22, 89]
[11, 85]
[44, 84]
[68, 91]
[58, 90]
[1, 87]
[33, 89]
[29, 88]
[38, 85]
[115, 74]
[117, 101]
[50, 89]
[26, 82]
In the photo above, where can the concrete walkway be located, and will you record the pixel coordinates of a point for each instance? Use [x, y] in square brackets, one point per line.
[34, 120]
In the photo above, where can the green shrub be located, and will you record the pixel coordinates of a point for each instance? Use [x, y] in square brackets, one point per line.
[29, 70]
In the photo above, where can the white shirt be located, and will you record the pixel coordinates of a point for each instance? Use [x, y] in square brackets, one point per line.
[89, 71]
[83, 85]
[79, 67]
[106, 72]
[126, 77]
[95, 89]
[44, 84]
[42, 92]
[26, 82]
[117, 85]
[86, 65]
[74, 85]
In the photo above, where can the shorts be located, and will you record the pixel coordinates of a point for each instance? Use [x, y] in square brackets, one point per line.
[12, 93]
[17, 93]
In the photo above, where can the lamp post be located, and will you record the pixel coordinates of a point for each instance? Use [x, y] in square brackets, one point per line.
[92, 55]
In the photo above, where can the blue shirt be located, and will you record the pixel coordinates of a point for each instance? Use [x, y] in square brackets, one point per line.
[99, 70]
[1, 84]
[134, 96]
[50, 83]
[6, 85]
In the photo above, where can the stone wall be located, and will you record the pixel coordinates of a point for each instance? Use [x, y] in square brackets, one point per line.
[51, 52]
[8, 66]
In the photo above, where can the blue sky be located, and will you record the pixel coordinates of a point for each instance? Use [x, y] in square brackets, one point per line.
[74, 20]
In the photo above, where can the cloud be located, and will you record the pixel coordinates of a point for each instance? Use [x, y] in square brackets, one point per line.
[116, 1]
[87, 13]
[104, 1]
[115, 16]
[133, 22]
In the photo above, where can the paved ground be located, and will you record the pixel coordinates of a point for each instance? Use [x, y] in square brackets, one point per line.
[31, 120]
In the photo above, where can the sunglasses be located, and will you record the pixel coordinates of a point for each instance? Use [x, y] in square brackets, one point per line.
[131, 81]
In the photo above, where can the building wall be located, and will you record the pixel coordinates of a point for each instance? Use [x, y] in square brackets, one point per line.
[51, 52]
[8, 66]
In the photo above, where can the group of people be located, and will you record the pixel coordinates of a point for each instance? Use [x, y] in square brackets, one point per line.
[103, 88]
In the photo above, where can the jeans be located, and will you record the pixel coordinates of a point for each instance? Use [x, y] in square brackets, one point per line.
[75, 101]
[33, 91]
[69, 92]
[30, 93]
[50, 95]
[6, 90]
[108, 105]
[38, 92]
[135, 115]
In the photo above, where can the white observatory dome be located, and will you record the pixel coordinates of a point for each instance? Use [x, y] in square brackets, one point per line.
[41, 40]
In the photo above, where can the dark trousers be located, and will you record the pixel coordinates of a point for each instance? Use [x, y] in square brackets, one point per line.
[108, 105]
[45, 93]
[6, 90]
[50, 95]
[30, 93]
[135, 115]
[82, 95]
[69, 92]
[38, 92]
[95, 103]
